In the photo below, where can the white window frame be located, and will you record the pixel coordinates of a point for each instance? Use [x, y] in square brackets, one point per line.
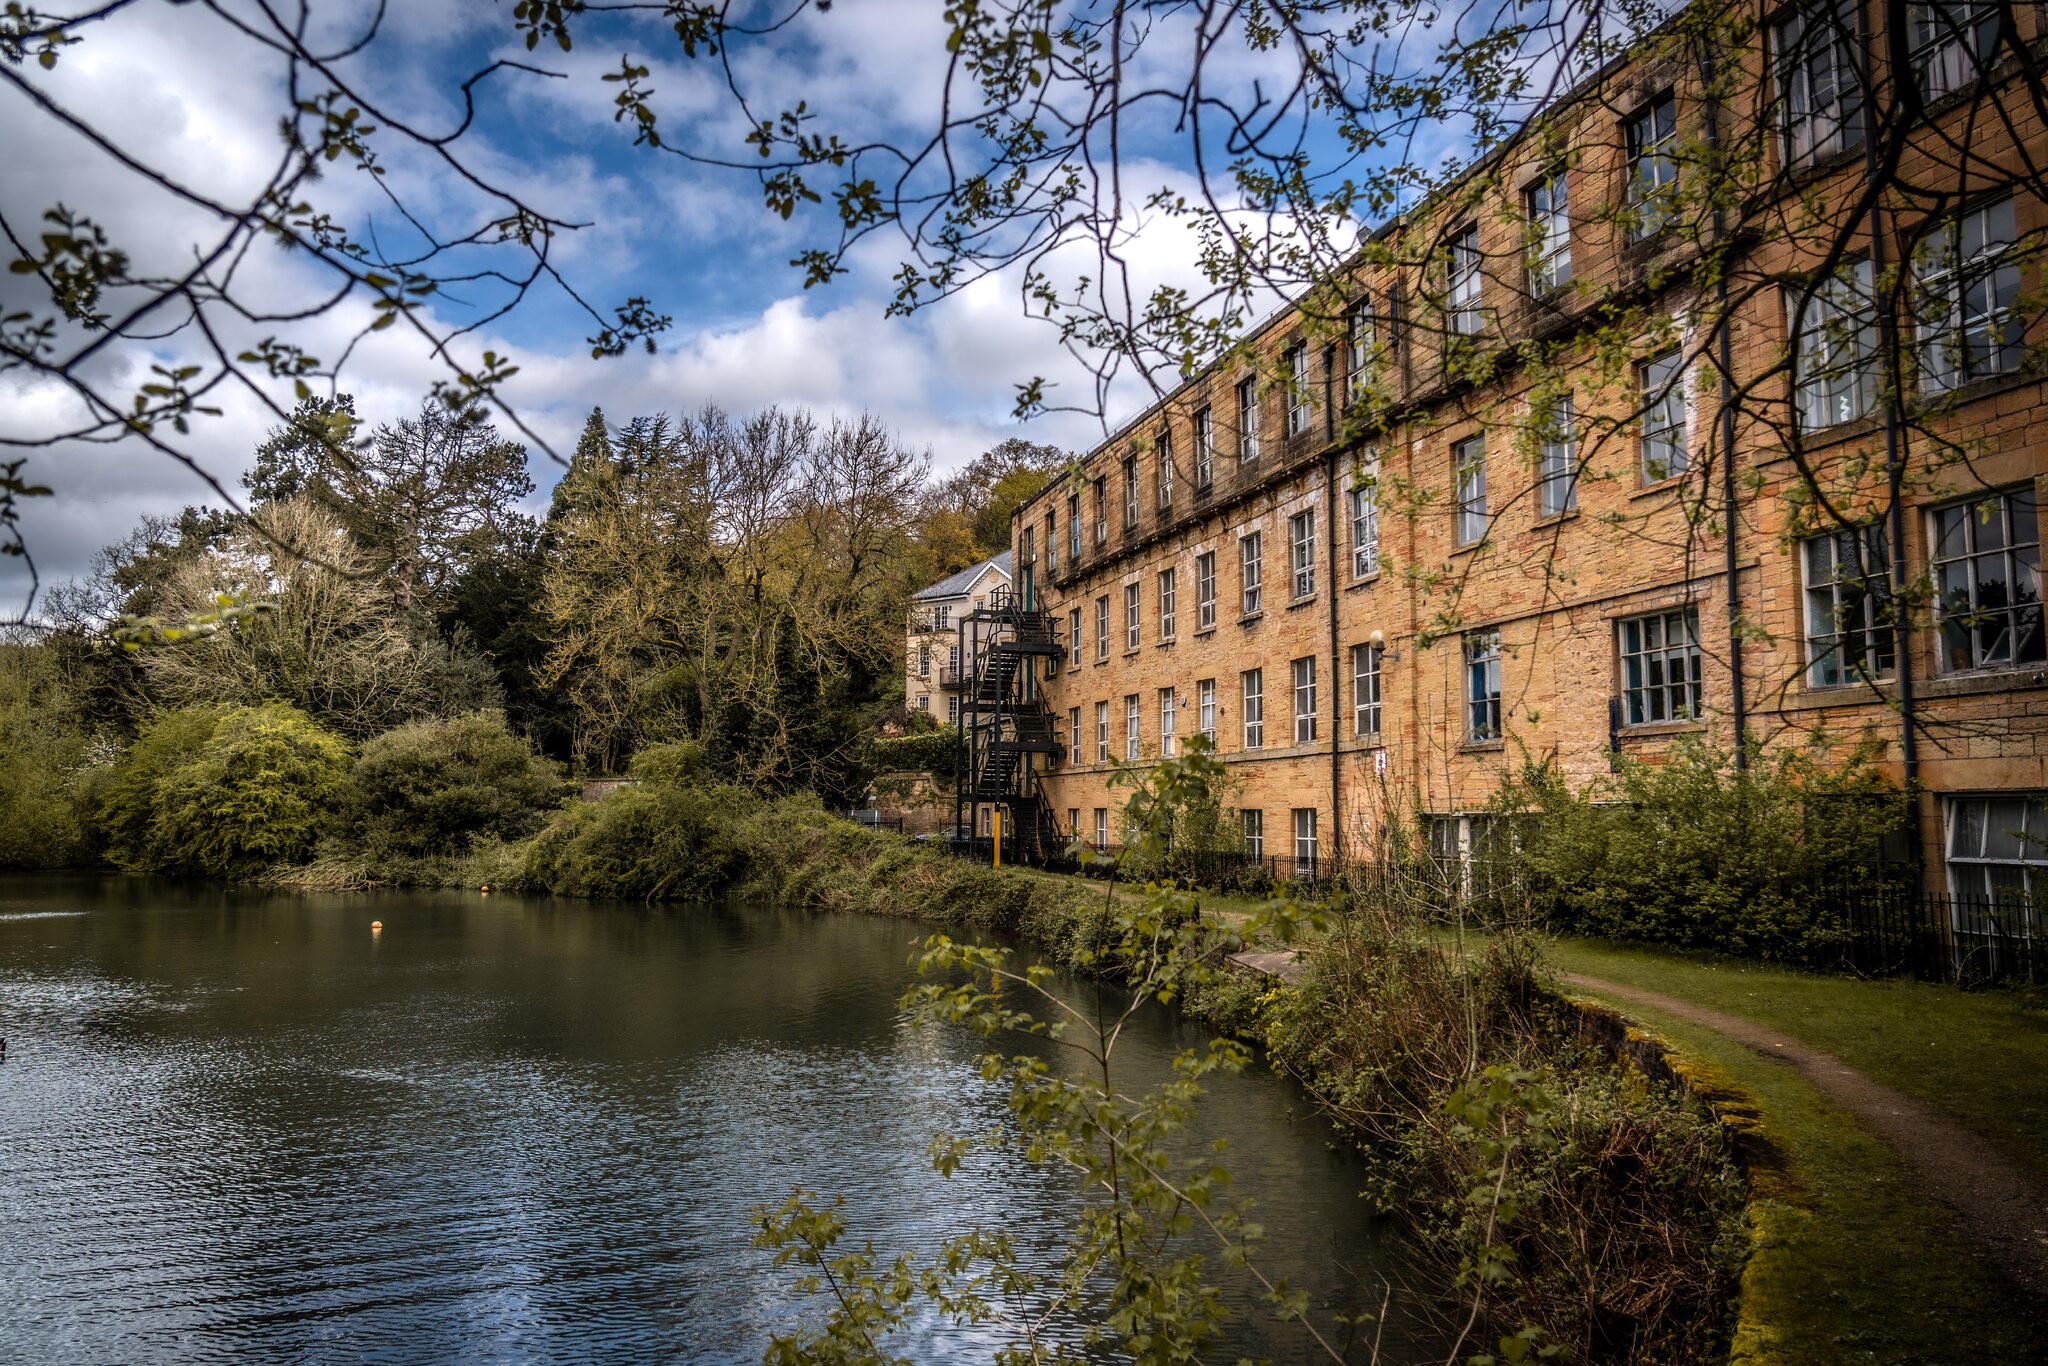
[1205, 448]
[1166, 604]
[1167, 728]
[1101, 488]
[1205, 707]
[1557, 464]
[1102, 827]
[2000, 532]
[1254, 821]
[1364, 499]
[1251, 572]
[1834, 348]
[924, 661]
[1130, 492]
[1133, 617]
[1102, 732]
[1482, 687]
[1660, 677]
[1205, 590]
[1074, 528]
[1548, 203]
[1360, 337]
[1074, 727]
[1820, 99]
[1304, 841]
[1651, 138]
[1301, 534]
[1953, 44]
[1165, 479]
[1469, 516]
[1304, 671]
[1252, 707]
[1102, 627]
[1134, 733]
[1462, 282]
[1074, 638]
[1247, 421]
[1996, 849]
[1966, 297]
[1666, 445]
[1365, 690]
[1300, 411]
[1849, 632]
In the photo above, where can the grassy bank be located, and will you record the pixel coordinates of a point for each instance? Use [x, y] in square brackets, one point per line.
[1980, 1056]
[1849, 1263]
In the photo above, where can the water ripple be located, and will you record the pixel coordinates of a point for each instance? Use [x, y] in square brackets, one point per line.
[506, 1131]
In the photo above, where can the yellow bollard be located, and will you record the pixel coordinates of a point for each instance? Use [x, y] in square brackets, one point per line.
[999, 837]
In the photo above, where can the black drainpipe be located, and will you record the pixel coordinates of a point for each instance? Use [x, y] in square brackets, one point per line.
[1336, 697]
[1895, 512]
[1737, 699]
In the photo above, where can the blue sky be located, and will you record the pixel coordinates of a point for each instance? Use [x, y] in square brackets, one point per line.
[177, 87]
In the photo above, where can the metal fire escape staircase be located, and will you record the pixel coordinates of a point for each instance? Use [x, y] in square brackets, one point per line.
[1004, 722]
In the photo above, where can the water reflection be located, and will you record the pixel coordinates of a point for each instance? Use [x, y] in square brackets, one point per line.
[235, 1124]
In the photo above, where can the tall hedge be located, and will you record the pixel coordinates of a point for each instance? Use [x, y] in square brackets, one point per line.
[222, 790]
[436, 787]
[1758, 859]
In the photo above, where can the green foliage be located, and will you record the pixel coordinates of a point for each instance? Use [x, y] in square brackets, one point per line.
[43, 748]
[436, 787]
[1696, 851]
[932, 751]
[1577, 1204]
[673, 834]
[228, 791]
[1177, 810]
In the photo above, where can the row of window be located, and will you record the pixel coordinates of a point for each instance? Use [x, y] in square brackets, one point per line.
[1986, 571]
[1253, 820]
[1996, 845]
[1251, 569]
[1365, 683]
[1969, 328]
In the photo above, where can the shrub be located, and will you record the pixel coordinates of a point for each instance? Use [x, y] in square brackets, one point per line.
[228, 791]
[436, 787]
[42, 752]
[931, 751]
[1698, 851]
[673, 834]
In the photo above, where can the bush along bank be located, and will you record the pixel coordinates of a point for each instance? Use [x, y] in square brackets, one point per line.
[1569, 1202]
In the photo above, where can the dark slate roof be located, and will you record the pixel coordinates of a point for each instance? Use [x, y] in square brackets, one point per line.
[959, 583]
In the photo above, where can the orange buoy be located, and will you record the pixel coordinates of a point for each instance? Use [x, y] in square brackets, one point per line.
[376, 927]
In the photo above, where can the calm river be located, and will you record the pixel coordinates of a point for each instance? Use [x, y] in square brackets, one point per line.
[235, 1125]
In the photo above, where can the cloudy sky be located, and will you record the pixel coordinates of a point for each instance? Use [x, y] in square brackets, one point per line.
[193, 92]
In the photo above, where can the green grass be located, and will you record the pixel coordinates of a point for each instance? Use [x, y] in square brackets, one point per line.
[1980, 1056]
[1850, 1263]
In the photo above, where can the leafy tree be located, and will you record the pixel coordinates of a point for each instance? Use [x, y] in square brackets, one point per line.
[324, 640]
[44, 747]
[420, 496]
[227, 791]
[434, 787]
[965, 517]
[736, 582]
